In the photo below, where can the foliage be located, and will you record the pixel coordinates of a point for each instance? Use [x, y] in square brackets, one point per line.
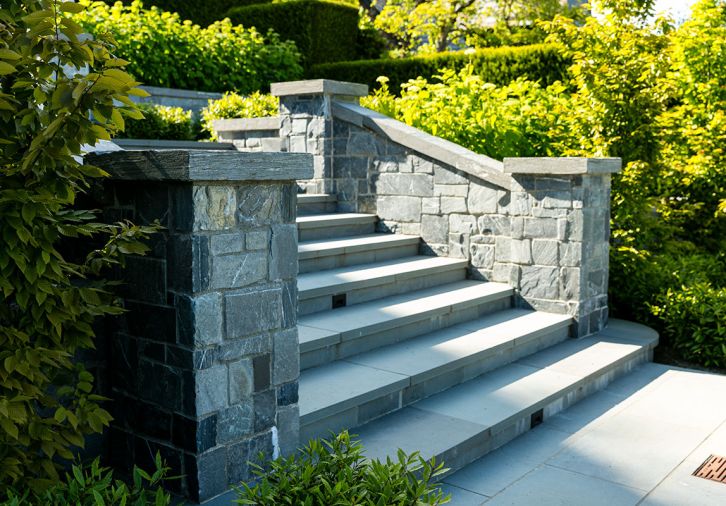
[232, 105]
[543, 63]
[52, 79]
[323, 31]
[202, 13]
[92, 485]
[334, 471]
[166, 51]
[161, 122]
[429, 26]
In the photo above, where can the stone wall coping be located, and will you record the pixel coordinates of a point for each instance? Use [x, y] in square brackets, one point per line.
[197, 165]
[156, 144]
[319, 87]
[562, 165]
[246, 124]
[447, 152]
[179, 93]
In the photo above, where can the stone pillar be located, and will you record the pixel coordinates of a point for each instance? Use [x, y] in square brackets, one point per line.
[204, 365]
[307, 123]
[560, 230]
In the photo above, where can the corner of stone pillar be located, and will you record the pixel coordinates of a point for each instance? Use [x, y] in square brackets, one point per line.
[560, 216]
[306, 123]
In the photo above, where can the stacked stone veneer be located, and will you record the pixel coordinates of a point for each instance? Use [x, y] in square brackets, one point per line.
[204, 366]
[541, 225]
[251, 134]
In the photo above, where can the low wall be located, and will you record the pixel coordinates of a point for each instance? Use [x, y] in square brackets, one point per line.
[251, 134]
[203, 367]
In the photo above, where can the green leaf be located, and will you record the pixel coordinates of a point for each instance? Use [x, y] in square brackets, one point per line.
[6, 68]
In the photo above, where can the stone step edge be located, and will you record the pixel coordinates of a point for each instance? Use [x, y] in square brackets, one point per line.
[334, 220]
[409, 381]
[315, 198]
[329, 247]
[507, 429]
[360, 333]
[444, 265]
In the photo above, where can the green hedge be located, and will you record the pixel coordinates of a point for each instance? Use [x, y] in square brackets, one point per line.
[166, 51]
[539, 62]
[322, 31]
[202, 12]
[161, 122]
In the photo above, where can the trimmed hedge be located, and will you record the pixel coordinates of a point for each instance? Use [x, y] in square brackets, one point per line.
[161, 122]
[322, 31]
[501, 65]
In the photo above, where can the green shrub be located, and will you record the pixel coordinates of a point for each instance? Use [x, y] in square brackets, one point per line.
[542, 63]
[161, 122]
[48, 301]
[93, 485]
[334, 471]
[165, 51]
[322, 31]
[693, 318]
[233, 105]
[203, 13]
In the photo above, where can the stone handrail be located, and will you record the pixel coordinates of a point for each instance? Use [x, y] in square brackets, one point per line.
[447, 152]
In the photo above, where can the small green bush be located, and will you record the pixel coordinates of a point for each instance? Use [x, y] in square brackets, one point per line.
[93, 485]
[161, 122]
[334, 471]
[542, 63]
[203, 13]
[166, 51]
[233, 105]
[323, 31]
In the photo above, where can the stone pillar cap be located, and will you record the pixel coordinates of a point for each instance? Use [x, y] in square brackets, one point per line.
[562, 165]
[319, 87]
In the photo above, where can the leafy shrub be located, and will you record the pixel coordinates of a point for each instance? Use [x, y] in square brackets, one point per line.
[161, 122]
[48, 302]
[93, 485]
[542, 63]
[323, 31]
[166, 51]
[202, 13]
[233, 105]
[334, 471]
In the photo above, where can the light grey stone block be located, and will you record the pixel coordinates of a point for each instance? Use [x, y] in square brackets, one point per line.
[435, 229]
[431, 205]
[236, 271]
[207, 318]
[399, 208]
[521, 252]
[222, 244]
[540, 282]
[241, 381]
[545, 252]
[482, 256]
[235, 422]
[451, 190]
[210, 389]
[453, 205]
[283, 252]
[493, 225]
[286, 357]
[214, 207]
[257, 239]
[462, 224]
[417, 185]
[448, 176]
[252, 312]
[482, 200]
[540, 228]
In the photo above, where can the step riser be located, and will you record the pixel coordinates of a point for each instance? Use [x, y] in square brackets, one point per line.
[489, 440]
[454, 374]
[332, 231]
[350, 259]
[310, 208]
[404, 329]
[354, 296]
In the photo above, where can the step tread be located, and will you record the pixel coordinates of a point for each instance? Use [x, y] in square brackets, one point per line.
[368, 375]
[323, 329]
[451, 418]
[355, 244]
[334, 219]
[314, 198]
[315, 284]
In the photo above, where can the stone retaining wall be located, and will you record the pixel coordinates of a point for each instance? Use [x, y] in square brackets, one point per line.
[251, 134]
[204, 366]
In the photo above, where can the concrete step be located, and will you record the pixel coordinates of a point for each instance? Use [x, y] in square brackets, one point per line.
[347, 286]
[461, 424]
[372, 384]
[316, 203]
[341, 333]
[326, 226]
[334, 253]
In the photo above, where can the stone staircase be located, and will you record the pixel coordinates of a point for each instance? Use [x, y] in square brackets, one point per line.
[406, 352]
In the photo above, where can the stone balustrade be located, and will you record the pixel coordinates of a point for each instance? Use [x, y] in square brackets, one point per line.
[203, 368]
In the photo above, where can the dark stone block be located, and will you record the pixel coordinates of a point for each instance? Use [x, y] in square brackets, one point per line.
[259, 204]
[152, 203]
[151, 421]
[195, 436]
[252, 312]
[123, 362]
[289, 203]
[152, 322]
[261, 366]
[241, 454]
[179, 263]
[206, 474]
[189, 394]
[120, 449]
[189, 359]
[152, 350]
[144, 279]
[182, 206]
[160, 384]
[287, 394]
[265, 410]
[351, 167]
[234, 423]
[289, 304]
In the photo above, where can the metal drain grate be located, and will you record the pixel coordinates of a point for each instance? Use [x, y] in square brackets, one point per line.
[714, 468]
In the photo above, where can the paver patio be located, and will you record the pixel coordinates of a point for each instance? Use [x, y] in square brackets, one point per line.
[636, 442]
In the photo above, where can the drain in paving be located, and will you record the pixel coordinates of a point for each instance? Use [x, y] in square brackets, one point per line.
[713, 468]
